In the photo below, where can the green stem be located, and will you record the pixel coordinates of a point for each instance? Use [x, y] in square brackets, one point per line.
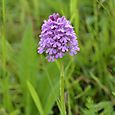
[4, 53]
[63, 112]
[3, 39]
[6, 100]
[95, 18]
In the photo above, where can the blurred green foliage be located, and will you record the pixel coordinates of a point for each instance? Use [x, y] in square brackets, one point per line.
[89, 76]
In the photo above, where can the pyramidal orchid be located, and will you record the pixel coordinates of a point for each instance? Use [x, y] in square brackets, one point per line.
[57, 38]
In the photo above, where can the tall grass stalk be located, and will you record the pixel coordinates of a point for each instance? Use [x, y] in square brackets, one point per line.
[95, 17]
[4, 51]
[3, 38]
[6, 100]
[74, 14]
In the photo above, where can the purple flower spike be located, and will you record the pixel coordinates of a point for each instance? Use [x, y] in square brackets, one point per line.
[57, 38]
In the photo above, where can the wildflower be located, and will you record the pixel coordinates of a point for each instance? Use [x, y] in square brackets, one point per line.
[57, 38]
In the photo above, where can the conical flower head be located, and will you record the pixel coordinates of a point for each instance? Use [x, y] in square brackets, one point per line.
[57, 38]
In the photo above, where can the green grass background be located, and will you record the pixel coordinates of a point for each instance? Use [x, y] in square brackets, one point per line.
[29, 85]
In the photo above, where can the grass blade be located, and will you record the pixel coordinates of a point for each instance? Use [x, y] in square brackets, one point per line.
[35, 98]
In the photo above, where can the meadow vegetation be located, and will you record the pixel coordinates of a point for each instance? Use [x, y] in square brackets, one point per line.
[29, 85]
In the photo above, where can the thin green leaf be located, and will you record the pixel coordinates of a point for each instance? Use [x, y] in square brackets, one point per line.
[35, 98]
